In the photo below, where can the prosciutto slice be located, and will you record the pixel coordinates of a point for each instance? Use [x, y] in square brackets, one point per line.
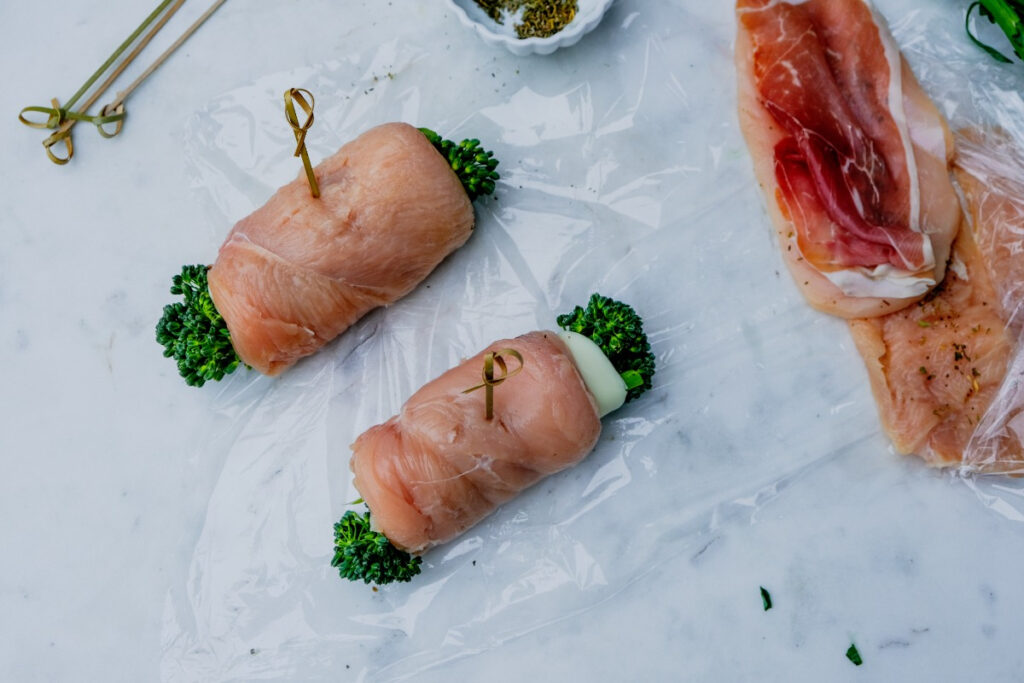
[853, 157]
[439, 466]
[299, 271]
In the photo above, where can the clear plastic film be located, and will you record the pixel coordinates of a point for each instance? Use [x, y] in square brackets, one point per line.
[623, 172]
[982, 100]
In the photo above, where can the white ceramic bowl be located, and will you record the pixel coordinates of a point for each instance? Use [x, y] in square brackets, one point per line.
[587, 17]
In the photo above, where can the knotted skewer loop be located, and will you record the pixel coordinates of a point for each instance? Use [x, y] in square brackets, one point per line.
[110, 114]
[64, 119]
[490, 381]
[63, 133]
[58, 116]
[291, 97]
[54, 117]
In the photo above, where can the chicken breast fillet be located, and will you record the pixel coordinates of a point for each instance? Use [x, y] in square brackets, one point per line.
[939, 369]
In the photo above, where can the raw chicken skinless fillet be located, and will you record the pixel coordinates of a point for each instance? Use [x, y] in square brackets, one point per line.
[938, 369]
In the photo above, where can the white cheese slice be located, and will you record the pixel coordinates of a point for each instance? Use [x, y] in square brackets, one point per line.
[882, 281]
[602, 379]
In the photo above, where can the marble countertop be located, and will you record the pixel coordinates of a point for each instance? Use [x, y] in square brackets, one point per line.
[153, 531]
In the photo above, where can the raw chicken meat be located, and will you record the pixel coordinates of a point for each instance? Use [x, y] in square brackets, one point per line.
[851, 154]
[299, 271]
[937, 368]
[439, 466]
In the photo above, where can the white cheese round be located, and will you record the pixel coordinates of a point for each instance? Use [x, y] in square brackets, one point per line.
[602, 379]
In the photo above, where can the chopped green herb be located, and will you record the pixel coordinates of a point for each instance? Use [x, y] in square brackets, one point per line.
[923, 323]
[853, 655]
[539, 18]
[766, 599]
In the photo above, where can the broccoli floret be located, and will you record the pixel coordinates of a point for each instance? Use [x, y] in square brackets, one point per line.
[194, 333]
[361, 554]
[619, 331]
[473, 164]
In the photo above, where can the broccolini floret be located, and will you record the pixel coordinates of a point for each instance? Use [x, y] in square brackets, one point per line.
[361, 554]
[194, 333]
[474, 165]
[619, 331]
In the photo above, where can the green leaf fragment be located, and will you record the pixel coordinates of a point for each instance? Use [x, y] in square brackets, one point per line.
[766, 599]
[853, 655]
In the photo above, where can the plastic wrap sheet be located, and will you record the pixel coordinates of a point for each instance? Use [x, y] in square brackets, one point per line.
[623, 171]
[982, 99]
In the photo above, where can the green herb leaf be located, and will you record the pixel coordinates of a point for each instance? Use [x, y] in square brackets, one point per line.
[1006, 14]
[994, 53]
[766, 599]
[853, 655]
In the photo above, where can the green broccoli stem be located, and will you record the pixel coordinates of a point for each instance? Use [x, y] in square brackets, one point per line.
[362, 554]
[193, 332]
[474, 165]
[619, 331]
[1006, 14]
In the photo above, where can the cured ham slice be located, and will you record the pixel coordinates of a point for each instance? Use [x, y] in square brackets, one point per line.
[439, 466]
[299, 271]
[851, 154]
[938, 367]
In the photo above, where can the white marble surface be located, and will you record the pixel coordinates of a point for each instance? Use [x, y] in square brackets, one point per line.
[141, 515]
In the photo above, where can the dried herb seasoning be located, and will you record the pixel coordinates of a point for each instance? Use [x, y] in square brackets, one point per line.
[536, 18]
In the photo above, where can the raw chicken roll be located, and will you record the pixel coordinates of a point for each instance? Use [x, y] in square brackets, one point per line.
[299, 271]
[439, 466]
